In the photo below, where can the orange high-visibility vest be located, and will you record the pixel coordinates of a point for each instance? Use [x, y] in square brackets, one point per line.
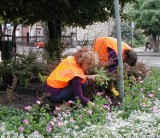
[65, 71]
[100, 46]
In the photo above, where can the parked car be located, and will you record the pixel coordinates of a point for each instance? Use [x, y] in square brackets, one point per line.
[39, 44]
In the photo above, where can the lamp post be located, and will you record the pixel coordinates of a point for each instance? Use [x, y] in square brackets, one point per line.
[120, 61]
[132, 28]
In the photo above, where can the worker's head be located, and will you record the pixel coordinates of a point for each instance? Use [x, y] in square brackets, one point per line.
[130, 57]
[86, 58]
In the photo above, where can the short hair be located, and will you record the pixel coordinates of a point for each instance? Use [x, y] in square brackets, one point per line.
[86, 55]
[130, 57]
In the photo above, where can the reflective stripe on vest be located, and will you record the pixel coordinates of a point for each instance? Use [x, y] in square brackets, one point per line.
[65, 71]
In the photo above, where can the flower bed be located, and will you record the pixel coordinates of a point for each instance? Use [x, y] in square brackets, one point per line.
[137, 116]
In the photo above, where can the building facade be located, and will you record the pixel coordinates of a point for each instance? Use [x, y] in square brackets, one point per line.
[76, 35]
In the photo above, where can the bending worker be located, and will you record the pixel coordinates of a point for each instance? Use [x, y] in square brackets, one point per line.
[68, 80]
[107, 49]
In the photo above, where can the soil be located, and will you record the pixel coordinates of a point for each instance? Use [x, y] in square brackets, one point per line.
[19, 101]
[23, 97]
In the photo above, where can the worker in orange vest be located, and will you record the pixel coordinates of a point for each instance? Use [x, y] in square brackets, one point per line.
[107, 49]
[69, 80]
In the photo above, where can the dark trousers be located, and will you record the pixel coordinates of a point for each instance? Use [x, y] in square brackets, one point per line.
[65, 94]
[147, 46]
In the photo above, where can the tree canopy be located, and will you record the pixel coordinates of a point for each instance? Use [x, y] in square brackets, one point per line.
[58, 13]
[70, 12]
[146, 14]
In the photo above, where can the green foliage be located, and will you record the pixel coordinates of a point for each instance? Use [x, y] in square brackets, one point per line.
[37, 118]
[6, 49]
[5, 68]
[77, 13]
[102, 78]
[53, 55]
[147, 16]
[139, 93]
[11, 116]
[42, 78]
[10, 90]
[25, 67]
[138, 38]
[91, 114]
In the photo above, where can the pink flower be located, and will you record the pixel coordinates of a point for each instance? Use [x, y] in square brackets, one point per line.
[35, 133]
[49, 129]
[140, 72]
[57, 108]
[106, 107]
[38, 102]
[52, 123]
[54, 119]
[119, 103]
[70, 102]
[71, 120]
[80, 116]
[60, 123]
[59, 114]
[143, 105]
[141, 89]
[141, 81]
[89, 112]
[151, 95]
[100, 93]
[21, 128]
[25, 121]
[108, 98]
[143, 96]
[28, 108]
[68, 112]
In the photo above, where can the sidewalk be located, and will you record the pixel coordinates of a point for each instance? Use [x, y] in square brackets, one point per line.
[140, 51]
[149, 57]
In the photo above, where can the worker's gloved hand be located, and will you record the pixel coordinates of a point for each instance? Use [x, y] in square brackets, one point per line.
[115, 92]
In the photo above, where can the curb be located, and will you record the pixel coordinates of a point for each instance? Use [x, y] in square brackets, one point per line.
[149, 54]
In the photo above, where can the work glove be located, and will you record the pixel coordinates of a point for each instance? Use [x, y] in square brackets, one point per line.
[115, 92]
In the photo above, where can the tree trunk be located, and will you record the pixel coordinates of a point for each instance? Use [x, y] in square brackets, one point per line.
[4, 30]
[54, 30]
[45, 32]
[54, 46]
[0, 30]
[155, 45]
[14, 40]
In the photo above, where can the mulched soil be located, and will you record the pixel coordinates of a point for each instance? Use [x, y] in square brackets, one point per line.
[22, 97]
[19, 100]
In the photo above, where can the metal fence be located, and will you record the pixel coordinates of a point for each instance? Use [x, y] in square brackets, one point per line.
[68, 41]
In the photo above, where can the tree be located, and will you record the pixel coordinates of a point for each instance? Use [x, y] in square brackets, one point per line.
[146, 14]
[126, 34]
[59, 13]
